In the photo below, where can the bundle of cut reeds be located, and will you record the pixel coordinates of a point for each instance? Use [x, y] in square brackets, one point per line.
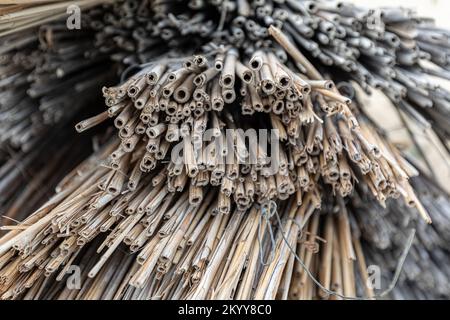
[136, 190]
[192, 199]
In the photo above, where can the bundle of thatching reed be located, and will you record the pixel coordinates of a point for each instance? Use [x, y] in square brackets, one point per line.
[334, 34]
[355, 39]
[198, 254]
[135, 198]
[178, 250]
[213, 225]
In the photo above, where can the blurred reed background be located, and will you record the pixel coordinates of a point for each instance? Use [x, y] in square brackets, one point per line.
[438, 10]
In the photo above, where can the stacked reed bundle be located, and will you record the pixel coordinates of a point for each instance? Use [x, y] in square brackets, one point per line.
[334, 34]
[42, 72]
[128, 31]
[17, 15]
[70, 68]
[201, 227]
[19, 115]
[354, 39]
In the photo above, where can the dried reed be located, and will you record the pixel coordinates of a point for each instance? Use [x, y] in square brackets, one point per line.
[213, 226]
